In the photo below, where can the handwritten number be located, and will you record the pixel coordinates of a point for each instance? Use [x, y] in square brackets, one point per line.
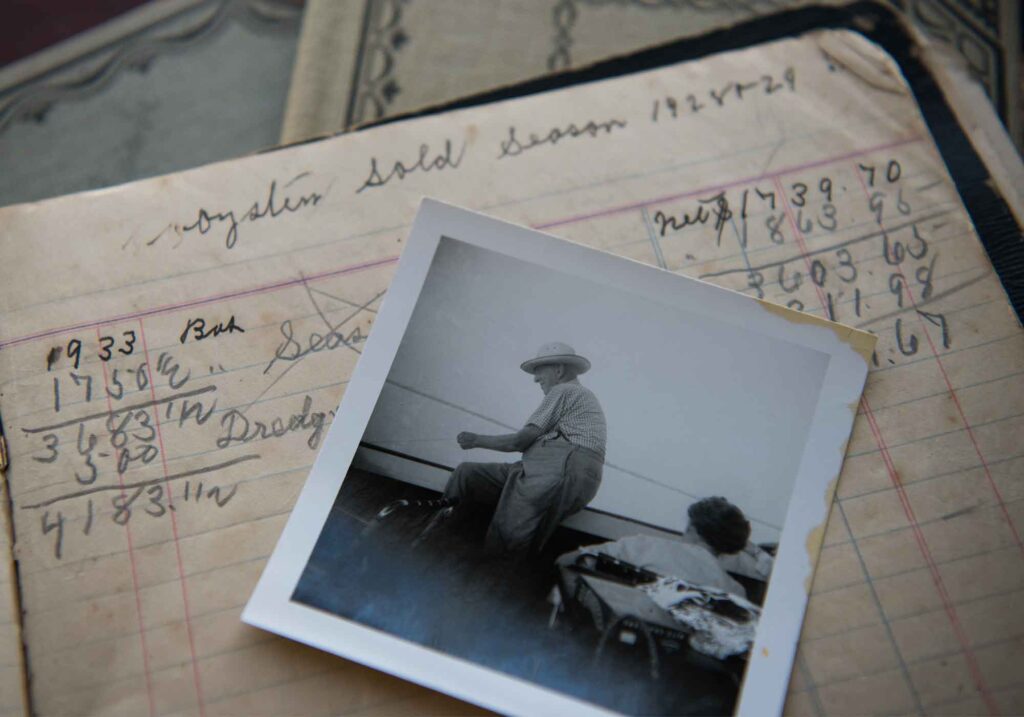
[58, 525]
[124, 457]
[106, 342]
[770, 85]
[901, 204]
[120, 387]
[86, 451]
[74, 350]
[91, 478]
[51, 441]
[790, 78]
[88, 519]
[877, 204]
[924, 277]
[896, 287]
[801, 191]
[804, 225]
[78, 379]
[770, 196]
[898, 253]
[129, 343]
[123, 506]
[870, 171]
[146, 454]
[893, 171]
[846, 270]
[719, 97]
[829, 222]
[118, 436]
[143, 418]
[940, 321]
[156, 495]
[818, 273]
[825, 185]
[918, 247]
[755, 280]
[910, 348]
[773, 222]
[797, 279]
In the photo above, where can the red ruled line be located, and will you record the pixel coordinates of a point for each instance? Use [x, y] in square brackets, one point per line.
[933, 568]
[131, 560]
[729, 185]
[227, 296]
[894, 476]
[952, 394]
[174, 527]
[170, 308]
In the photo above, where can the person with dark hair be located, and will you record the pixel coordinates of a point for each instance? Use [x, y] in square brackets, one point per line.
[716, 528]
[719, 524]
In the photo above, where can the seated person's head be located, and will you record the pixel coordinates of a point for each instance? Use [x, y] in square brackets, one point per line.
[720, 524]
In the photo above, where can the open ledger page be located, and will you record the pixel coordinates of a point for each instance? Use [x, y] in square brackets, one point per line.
[172, 351]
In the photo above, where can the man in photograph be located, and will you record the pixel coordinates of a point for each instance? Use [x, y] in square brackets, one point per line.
[563, 447]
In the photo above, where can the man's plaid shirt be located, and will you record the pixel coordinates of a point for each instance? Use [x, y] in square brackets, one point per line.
[571, 410]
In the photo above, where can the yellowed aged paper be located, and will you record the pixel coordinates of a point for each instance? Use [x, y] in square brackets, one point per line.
[172, 351]
[12, 666]
[361, 60]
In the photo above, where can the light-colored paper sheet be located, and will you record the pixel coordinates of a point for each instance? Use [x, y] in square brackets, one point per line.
[12, 666]
[733, 168]
[359, 60]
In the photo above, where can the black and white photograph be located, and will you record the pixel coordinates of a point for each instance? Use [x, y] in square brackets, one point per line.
[569, 482]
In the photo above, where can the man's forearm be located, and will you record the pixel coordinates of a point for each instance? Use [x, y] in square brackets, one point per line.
[507, 443]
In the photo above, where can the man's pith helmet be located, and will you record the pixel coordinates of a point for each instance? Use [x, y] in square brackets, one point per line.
[556, 352]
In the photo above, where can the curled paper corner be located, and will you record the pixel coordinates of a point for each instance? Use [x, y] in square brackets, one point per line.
[816, 536]
[861, 342]
[863, 59]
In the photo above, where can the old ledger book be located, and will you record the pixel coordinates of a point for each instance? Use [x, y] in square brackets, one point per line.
[359, 60]
[172, 350]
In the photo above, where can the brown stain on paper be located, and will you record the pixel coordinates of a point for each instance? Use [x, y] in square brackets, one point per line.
[863, 343]
[817, 534]
[860, 341]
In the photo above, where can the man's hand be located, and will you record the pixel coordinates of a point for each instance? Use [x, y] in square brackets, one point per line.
[467, 440]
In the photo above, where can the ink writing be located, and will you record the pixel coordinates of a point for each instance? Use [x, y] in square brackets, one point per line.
[424, 162]
[198, 329]
[272, 207]
[512, 146]
[291, 349]
[722, 95]
[237, 428]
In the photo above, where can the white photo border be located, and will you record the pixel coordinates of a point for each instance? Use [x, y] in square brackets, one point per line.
[767, 677]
